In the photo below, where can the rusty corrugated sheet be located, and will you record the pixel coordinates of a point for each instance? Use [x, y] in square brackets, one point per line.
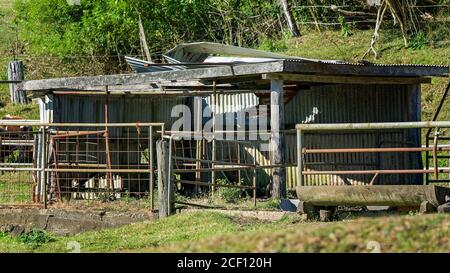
[354, 103]
[90, 109]
[231, 103]
[343, 104]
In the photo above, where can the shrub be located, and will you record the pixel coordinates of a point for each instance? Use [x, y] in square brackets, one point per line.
[36, 237]
[111, 26]
[418, 41]
[229, 195]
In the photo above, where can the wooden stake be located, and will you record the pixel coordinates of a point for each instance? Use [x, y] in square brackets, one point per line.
[162, 153]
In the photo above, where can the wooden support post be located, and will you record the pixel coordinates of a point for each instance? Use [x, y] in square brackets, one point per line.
[15, 73]
[163, 157]
[277, 139]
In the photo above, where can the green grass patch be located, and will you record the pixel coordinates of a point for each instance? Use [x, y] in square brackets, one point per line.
[16, 187]
[181, 227]
[416, 233]
[215, 232]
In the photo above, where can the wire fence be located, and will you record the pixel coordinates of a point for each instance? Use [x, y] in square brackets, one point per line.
[220, 166]
[68, 163]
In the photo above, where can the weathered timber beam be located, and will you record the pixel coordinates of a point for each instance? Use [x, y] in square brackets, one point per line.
[278, 144]
[365, 70]
[376, 195]
[185, 93]
[345, 79]
[151, 77]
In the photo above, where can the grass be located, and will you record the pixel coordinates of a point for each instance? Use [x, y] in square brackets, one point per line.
[392, 234]
[214, 232]
[7, 48]
[15, 188]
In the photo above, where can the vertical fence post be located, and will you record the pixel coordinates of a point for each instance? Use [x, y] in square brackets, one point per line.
[299, 158]
[213, 150]
[254, 174]
[163, 158]
[43, 166]
[150, 151]
[15, 73]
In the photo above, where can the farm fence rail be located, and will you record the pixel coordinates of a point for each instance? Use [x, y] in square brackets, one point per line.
[41, 164]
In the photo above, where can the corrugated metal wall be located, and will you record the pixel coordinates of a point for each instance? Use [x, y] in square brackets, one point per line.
[355, 103]
[319, 104]
[233, 103]
[90, 109]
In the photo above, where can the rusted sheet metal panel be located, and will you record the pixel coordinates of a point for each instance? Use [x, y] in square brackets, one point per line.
[231, 151]
[85, 109]
[231, 103]
[355, 103]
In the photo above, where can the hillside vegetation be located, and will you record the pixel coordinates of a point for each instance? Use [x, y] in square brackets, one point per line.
[55, 39]
[215, 232]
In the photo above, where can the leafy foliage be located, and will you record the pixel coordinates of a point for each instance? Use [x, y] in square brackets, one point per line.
[110, 26]
[36, 237]
[230, 195]
[418, 41]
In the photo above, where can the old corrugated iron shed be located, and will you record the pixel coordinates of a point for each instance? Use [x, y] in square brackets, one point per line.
[305, 90]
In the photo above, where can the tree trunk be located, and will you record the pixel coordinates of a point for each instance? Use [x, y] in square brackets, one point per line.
[290, 19]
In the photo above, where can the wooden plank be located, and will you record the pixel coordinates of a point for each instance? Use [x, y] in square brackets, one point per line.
[345, 79]
[277, 139]
[151, 77]
[366, 70]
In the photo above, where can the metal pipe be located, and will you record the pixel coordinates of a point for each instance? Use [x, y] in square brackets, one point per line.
[106, 135]
[59, 170]
[152, 202]
[169, 175]
[299, 157]
[254, 175]
[206, 184]
[227, 168]
[438, 109]
[43, 166]
[197, 205]
[407, 171]
[435, 151]
[372, 126]
[374, 150]
[79, 134]
[34, 123]
[209, 161]
[213, 150]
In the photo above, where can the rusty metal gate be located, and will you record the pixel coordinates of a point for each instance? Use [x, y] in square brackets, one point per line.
[44, 164]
